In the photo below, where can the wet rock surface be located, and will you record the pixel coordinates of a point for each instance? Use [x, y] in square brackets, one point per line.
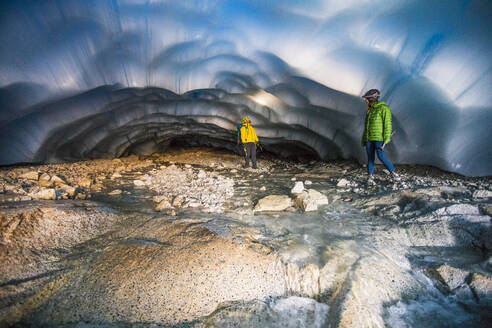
[191, 238]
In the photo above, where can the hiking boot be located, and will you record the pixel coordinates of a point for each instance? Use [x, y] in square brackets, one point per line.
[245, 166]
[255, 167]
[395, 176]
[370, 180]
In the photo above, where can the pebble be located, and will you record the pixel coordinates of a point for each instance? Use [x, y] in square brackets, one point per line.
[343, 183]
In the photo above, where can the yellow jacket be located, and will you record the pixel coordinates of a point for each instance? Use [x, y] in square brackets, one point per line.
[248, 133]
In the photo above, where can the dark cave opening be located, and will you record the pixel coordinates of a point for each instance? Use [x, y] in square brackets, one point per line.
[267, 148]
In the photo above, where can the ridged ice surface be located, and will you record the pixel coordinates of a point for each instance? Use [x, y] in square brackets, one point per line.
[86, 79]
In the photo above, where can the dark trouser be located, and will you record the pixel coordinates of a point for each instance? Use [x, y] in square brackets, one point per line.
[375, 146]
[250, 153]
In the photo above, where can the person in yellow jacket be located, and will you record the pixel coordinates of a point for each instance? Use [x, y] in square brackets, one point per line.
[249, 140]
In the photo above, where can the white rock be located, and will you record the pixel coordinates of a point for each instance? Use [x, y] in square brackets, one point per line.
[115, 192]
[298, 188]
[201, 174]
[293, 179]
[115, 175]
[343, 183]
[187, 166]
[43, 193]
[273, 203]
[308, 182]
[263, 188]
[138, 183]
[455, 209]
[233, 171]
[310, 200]
[482, 194]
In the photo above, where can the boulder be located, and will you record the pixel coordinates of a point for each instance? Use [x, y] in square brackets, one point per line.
[31, 175]
[482, 286]
[43, 193]
[450, 276]
[165, 272]
[57, 181]
[310, 199]
[45, 180]
[273, 203]
[115, 192]
[298, 188]
[68, 189]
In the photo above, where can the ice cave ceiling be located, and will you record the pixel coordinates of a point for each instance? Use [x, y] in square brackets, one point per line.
[88, 79]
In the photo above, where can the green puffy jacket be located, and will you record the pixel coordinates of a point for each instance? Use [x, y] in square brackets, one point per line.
[378, 124]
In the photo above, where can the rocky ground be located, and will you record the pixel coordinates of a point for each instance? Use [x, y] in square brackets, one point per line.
[180, 238]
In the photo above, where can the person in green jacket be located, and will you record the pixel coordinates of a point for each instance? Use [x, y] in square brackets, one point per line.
[377, 132]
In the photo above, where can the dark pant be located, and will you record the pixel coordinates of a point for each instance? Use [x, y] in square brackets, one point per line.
[250, 153]
[375, 146]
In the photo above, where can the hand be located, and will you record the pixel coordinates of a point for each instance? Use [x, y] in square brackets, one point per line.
[382, 147]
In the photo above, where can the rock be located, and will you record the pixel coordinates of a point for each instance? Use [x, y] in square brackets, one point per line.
[482, 286]
[81, 195]
[115, 192]
[178, 201]
[293, 179]
[85, 183]
[97, 186]
[165, 272]
[233, 171]
[459, 209]
[138, 183]
[115, 175]
[31, 175]
[482, 194]
[273, 203]
[163, 204]
[263, 188]
[310, 199]
[298, 188]
[45, 180]
[486, 209]
[451, 277]
[201, 174]
[187, 166]
[308, 182]
[43, 193]
[68, 189]
[57, 181]
[343, 183]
